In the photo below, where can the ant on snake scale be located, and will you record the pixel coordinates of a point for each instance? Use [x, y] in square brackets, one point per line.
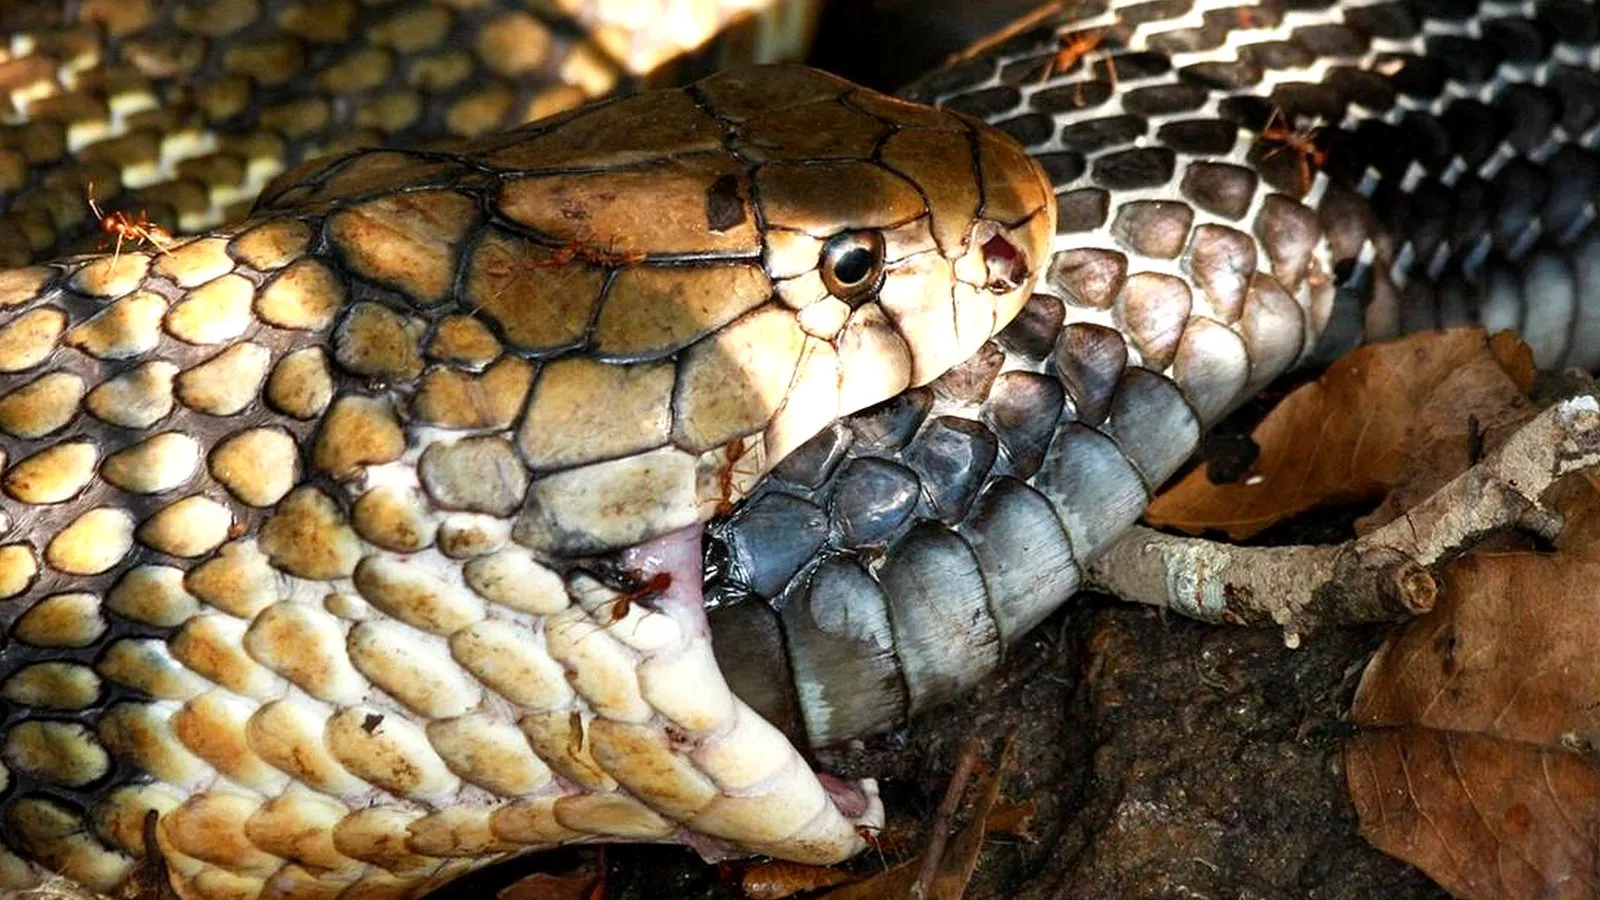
[137, 229]
[729, 479]
[1071, 47]
[1071, 50]
[509, 267]
[632, 586]
[585, 250]
[643, 593]
[1300, 142]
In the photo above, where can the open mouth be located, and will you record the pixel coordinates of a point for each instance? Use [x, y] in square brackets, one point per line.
[695, 733]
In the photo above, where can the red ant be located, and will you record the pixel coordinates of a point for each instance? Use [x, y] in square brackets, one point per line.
[510, 266]
[1301, 142]
[1070, 51]
[738, 448]
[1074, 48]
[642, 592]
[138, 229]
[587, 251]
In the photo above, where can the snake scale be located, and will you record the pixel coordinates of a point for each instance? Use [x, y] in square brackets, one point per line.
[361, 540]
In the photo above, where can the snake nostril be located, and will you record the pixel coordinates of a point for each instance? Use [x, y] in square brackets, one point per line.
[1006, 267]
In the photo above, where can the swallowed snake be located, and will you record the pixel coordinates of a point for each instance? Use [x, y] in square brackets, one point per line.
[371, 539]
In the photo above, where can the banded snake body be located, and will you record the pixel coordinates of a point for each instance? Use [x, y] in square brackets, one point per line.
[289, 565]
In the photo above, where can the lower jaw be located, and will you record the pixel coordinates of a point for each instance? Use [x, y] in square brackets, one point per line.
[765, 798]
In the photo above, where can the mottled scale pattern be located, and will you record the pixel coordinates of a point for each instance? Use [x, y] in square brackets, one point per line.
[1261, 185]
[180, 111]
[293, 511]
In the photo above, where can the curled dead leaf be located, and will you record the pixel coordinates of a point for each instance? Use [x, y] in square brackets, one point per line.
[1410, 412]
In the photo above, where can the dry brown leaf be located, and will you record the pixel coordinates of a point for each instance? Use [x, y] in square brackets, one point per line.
[1484, 817]
[1515, 357]
[778, 880]
[1578, 500]
[577, 885]
[1416, 406]
[1478, 760]
[1509, 650]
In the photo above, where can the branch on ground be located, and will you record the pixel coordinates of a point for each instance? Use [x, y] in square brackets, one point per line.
[1385, 575]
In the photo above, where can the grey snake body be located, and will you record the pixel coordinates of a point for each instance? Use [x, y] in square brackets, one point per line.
[1457, 184]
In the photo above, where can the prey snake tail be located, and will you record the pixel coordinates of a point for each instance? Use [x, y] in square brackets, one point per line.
[296, 558]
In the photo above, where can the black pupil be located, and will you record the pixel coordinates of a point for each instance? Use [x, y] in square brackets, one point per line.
[853, 265]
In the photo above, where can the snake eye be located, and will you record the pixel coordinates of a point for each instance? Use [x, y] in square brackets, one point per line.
[852, 265]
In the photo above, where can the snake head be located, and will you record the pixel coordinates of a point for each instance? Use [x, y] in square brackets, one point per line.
[802, 247]
[694, 282]
[903, 234]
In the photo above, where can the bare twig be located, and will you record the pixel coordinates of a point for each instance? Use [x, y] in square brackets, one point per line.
[1031, 19]
[951, 883]
[1382, 576]
[931, 858]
